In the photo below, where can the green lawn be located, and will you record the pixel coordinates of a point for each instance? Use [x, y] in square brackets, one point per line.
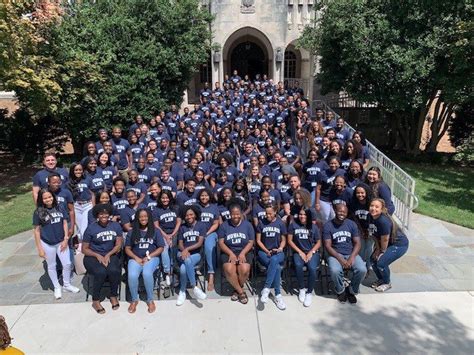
[444, 192]
[16, 209]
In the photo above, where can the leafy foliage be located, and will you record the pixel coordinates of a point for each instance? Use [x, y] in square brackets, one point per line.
[96, 63]
[121, 59]
[397, 54]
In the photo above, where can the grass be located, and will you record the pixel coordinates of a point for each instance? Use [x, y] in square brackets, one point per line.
[444, 192]
[16, 209]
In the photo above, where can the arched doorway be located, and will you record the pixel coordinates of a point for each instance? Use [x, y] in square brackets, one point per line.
[249, 51]
[249, 58]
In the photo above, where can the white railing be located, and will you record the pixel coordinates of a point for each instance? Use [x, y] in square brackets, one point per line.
[401, 184]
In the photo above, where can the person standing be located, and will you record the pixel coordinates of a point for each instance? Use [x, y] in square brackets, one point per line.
[51, 239]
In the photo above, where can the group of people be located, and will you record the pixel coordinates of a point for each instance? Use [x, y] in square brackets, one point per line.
[224, 185]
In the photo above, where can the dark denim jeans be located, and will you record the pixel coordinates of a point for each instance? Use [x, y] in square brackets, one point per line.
[380, 266]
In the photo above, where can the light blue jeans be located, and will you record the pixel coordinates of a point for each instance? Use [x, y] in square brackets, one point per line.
[210, 250]
[147, 270]
[274, 265]
[337, 273]
[166, 258]
[186, 270]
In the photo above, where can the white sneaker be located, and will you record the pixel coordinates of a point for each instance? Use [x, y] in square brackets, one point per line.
[57, 293]
[181, 298]
[71, 288]
[264, 296]
[168, 280]
[301, 295]
[281, 305]
[308, 299]
[198, 293]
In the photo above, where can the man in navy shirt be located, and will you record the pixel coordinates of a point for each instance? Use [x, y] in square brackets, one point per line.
[121, 147]
[342, 241]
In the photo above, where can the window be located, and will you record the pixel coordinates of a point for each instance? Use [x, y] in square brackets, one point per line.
[205, 71]
[290, 64]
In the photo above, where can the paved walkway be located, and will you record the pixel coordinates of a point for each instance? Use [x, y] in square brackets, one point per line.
[440, 258]
[403, 323]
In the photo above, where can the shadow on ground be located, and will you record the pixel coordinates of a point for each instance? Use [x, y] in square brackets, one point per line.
[395, 331]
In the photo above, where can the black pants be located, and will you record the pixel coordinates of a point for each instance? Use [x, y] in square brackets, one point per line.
[101, 273]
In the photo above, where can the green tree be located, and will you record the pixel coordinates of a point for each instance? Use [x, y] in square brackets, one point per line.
[400, 55]
[123, 58]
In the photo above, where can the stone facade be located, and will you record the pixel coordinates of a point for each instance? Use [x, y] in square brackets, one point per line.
[264, 31]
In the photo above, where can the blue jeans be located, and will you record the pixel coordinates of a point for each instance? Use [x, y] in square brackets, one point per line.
[186, 270]
[312, 265]
[381, 266]
[273, 265]
[210, 250]
[147, 270]
[166, 258]
[337, 273]
[366, 249]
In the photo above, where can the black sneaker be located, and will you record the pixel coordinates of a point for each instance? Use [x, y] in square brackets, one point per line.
[342, 297]
[351, 297]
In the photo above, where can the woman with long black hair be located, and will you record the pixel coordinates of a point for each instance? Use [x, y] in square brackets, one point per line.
[143, 246]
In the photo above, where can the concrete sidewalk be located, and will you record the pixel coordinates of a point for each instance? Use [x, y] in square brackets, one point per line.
[423, 322]
[440, 258]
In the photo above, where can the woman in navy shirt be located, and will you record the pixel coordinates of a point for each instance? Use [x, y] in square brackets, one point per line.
[359, 213]
[104, 198]
[143, 246]
[258, 210]
[223, 198]
[167, 221]
[271, 239]
[236, 240]
[380, 188]
[51, 238]
[101, 243]
[190, 240]
[109, 172]
[311, 169]
[355, 174]
[210, 218]
[82, 194]
[305, 241]
[94, 174]
[390, 243]
[325, 182]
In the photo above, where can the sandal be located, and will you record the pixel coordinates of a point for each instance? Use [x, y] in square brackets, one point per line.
[151, 307]
[234, 297]
[100, 310]
[243, 298]
[115, 306]
[132, 308]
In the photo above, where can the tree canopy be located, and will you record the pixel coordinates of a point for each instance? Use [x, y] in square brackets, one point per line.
[399, 55]
[100, 62]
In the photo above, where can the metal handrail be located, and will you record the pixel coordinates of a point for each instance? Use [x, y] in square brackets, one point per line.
[401, 184]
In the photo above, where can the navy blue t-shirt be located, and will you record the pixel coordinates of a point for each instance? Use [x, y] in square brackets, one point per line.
[341, 235]
[258, 212]
[237, 237]
[190, 234]
[64, 197]
[209, 214]
[102, 239]
[184, 199]
[40, 179]
[97, 182]
[127, 214]
[326, 180]
[145, 244]
[224, 212]
[360, 212]
[138, 187]
[304, 238]
[271, 232]
[166, 217]
[311, 171]
[383, 226]
[343, 198]
[119, 201]
[52, 229]
[385, 194]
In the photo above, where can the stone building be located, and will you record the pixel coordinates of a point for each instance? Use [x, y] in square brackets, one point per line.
[257, 37]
